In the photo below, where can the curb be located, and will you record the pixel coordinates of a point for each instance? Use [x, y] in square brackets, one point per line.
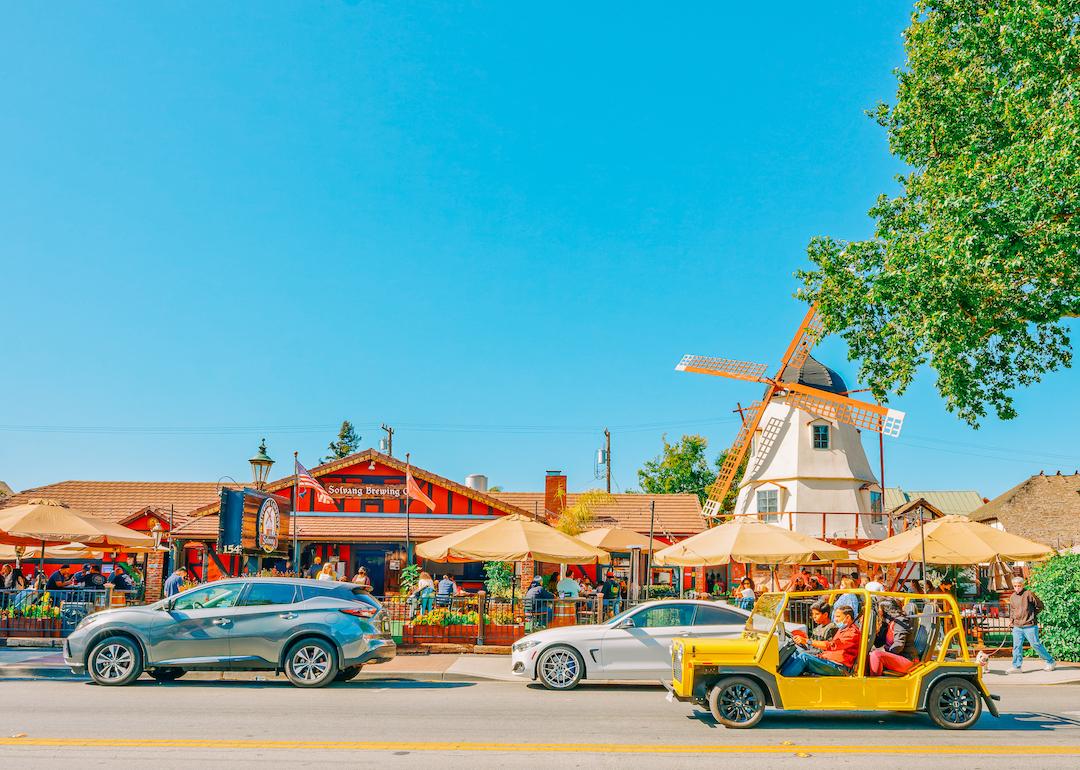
[58, 672]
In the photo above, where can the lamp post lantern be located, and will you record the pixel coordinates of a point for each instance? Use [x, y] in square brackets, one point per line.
[260, 466]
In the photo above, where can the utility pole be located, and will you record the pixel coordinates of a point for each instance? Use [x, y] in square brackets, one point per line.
[607, 456]
[389, 439]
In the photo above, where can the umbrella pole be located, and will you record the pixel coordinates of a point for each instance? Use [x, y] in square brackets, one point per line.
[41, 562]
[922, 543]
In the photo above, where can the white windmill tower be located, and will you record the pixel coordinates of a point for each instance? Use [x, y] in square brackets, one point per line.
[806, 466]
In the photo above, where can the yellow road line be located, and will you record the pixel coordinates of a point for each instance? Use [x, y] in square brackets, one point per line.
[594, 748]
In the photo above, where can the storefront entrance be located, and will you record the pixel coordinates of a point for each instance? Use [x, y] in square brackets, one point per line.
[373, 559]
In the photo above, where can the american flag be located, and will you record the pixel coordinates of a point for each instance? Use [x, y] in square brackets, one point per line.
[304, 480]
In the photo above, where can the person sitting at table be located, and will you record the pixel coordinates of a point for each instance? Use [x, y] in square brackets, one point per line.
[539, 602]
[834, 657]
[568, 588]
[894, 646]
[119, 579]
[445, 593]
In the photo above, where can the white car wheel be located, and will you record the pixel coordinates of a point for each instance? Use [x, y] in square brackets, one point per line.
[560, 668]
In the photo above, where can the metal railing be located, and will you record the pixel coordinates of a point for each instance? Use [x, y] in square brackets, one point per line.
[482, 619]
[39, 613]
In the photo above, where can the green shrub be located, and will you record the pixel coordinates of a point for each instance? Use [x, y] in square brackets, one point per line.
[500, 579]
[408, 579]
[1057, 583]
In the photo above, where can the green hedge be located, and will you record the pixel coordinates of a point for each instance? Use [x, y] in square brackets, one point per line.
[1057, 583]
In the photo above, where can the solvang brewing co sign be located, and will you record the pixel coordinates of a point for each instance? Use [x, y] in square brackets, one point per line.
[392, 491]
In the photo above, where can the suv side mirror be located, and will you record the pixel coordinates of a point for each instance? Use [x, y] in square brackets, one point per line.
[168, 605]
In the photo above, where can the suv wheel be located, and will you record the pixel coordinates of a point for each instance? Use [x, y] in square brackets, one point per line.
[737, 702]
[954, 703]
[115, 661]
[560, 668]
[311, 663]
[167, 673]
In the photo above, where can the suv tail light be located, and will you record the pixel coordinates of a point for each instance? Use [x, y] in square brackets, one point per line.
[362, 611]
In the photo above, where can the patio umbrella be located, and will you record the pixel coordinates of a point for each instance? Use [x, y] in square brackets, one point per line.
[618, 540]
[747, 540]
[511, 538]
[44, 522]
[954, 540]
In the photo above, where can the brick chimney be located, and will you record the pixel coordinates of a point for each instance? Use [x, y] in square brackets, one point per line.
[555, 492]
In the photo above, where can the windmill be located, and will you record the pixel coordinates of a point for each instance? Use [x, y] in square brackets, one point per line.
[825, 404]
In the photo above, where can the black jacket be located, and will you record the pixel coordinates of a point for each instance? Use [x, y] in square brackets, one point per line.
[903, 643]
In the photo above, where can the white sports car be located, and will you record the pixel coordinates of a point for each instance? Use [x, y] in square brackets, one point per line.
[633, 645]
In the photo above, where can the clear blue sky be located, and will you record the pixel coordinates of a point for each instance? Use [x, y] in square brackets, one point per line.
[496, 226]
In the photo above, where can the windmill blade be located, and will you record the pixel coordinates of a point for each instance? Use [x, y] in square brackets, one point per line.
[723, 367]
[810, 331]
[880, 419]
[725, 478]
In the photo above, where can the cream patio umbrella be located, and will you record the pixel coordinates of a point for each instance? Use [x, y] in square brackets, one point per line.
[954, 540]
[511, 538]
[746, 539]
[44, 522]
[618, 540]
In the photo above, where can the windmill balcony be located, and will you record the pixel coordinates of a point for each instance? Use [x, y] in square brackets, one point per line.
[852, 528]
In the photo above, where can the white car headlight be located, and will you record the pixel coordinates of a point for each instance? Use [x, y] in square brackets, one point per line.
[524, 644]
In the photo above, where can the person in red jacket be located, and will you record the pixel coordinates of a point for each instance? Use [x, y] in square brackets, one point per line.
[834, 657]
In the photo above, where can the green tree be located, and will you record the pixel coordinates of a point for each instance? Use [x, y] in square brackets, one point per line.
[684, 467]
[1057, 583]
[976, 262]
[577, 518]
[347, 443]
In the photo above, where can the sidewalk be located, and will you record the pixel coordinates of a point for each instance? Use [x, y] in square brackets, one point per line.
[47, 663]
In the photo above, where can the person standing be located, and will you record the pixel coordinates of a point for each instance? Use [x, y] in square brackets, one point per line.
[315, 568]
[747, 595]
[361, 579]
[327, 572]
[1024, 609]
[175, 581]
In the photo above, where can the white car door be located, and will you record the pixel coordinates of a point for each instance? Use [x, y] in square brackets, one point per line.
[639, 647]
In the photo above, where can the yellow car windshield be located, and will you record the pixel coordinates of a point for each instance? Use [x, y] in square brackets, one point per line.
[766, 610]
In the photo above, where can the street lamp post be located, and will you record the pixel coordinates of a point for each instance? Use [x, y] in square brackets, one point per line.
[260, 466]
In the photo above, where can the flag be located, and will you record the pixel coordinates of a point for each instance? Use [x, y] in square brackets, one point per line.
[304, 480]
[412, 489]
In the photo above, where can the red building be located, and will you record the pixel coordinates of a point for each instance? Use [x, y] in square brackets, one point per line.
[367, 525]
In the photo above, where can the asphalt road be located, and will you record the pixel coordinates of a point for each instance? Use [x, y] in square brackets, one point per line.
[454, 724]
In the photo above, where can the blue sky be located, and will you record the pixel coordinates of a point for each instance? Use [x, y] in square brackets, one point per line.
[497, 227]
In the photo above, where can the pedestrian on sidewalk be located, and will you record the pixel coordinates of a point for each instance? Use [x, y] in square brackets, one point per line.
[175, 581]
[1024, 609]
[361, 579]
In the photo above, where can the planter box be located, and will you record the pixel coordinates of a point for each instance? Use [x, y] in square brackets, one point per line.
[500, 634]
[34, 628]
[427, 634]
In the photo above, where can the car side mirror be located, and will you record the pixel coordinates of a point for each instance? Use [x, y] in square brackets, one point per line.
[628, 623]
[168, 605]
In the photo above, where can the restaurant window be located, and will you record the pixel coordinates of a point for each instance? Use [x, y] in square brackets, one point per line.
[768, 504]
[820, 436]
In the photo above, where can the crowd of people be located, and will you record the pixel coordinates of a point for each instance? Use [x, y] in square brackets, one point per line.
[27, 590]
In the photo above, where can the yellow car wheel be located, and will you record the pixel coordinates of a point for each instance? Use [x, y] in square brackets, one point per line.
[737, 702]
[954, 703]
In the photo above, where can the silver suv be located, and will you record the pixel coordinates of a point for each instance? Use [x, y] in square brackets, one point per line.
[317, 632]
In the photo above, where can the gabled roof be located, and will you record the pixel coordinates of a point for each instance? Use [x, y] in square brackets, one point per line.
[368, 455]
[117, 500]
[912, 507]
[1043, 508]
[677, 515]
[951, 502]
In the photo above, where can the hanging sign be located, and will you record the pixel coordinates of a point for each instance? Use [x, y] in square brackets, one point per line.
[392, 491]
[252, 522]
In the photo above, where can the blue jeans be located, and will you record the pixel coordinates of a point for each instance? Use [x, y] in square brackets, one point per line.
[1031, 633]
[800, 662]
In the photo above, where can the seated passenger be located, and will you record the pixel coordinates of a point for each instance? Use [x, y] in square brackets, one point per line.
[895, 642]
[847, 600]
[821, 614]
[836, 656]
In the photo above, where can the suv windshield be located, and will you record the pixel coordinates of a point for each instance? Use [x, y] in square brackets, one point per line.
[767, 608]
